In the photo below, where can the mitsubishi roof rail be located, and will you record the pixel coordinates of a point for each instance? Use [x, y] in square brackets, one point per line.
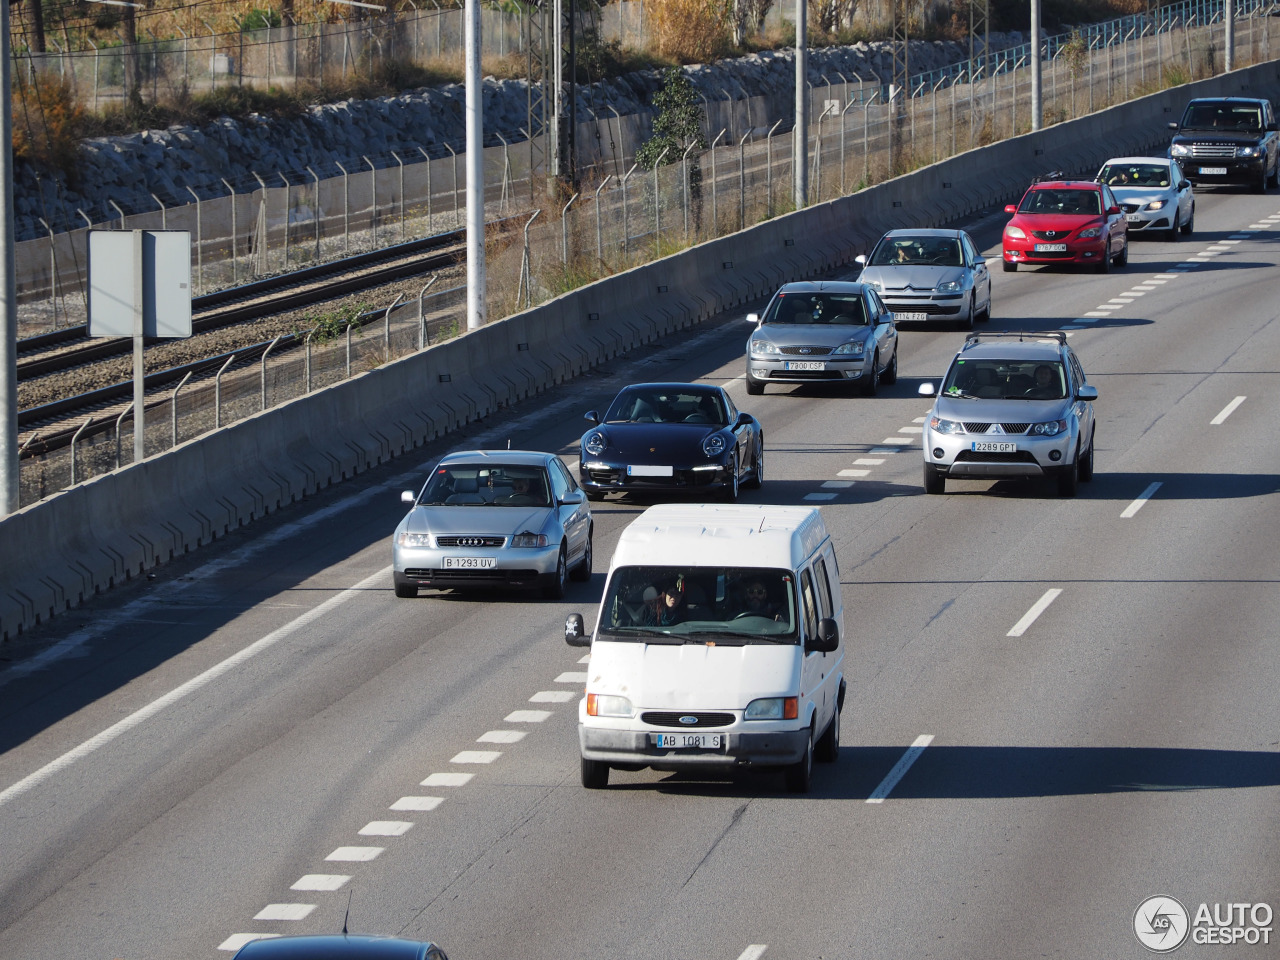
[973, 339]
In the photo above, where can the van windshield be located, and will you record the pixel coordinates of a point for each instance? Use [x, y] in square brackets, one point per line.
[678, 604]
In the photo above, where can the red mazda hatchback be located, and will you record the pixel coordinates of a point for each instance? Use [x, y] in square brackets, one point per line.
[1066, 221]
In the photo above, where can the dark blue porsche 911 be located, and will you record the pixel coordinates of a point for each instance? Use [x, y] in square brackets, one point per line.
[671, 436]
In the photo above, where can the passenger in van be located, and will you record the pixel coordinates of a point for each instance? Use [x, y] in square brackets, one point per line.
[668, 607]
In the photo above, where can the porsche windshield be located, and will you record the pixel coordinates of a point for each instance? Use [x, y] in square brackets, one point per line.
[667, 405]
[722, 605]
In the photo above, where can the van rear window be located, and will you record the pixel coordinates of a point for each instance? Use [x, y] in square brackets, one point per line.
[678, 604]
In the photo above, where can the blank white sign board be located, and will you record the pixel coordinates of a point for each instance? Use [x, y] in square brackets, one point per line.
[166, 283]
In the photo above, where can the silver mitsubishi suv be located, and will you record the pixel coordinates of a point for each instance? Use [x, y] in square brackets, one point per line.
[1012, 405]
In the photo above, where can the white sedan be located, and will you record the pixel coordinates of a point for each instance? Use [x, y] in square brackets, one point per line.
[1154, 192]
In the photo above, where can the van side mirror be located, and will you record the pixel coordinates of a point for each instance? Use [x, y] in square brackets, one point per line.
[409, 497]
[575, 633]
[828, 637]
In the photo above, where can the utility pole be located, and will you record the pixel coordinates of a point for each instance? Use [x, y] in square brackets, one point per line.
[1037, 104]
[800, 135]
[475, 172]
[8, 292]
[1229, 26]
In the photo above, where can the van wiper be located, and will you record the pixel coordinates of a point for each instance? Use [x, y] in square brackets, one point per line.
[701, 636]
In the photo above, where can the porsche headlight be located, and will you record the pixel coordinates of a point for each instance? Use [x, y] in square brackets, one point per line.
[854, 348]
[529, 540]
[764, 348]
[1016, 233]
[713, 446]
[1091, 233]
[950, 286]
[595, 444]
[406, 539]
[1050, 429]
[1156, 204]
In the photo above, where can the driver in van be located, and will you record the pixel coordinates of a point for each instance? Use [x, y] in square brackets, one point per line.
[757, 603]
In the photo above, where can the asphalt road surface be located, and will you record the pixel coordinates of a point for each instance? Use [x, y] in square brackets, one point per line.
[1056, 708]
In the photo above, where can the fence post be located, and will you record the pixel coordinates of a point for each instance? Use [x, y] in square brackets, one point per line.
[199, 243]
[173, 405]
[317, 211]
[74, 440]
[430, 215]
[657, 206]
[626, 223]
[307, 362]
[264, 371]
[684, 184]
[564, 232]
[346, 209]
[119, 211]
[217, 393]
[768, 163]
[120, 420]
[386, 328]
[453, 154]
[599, 240]
[715, 212]
[53, 271]
[423, 337]
[264, 250]
[164, 212]
[526, 267]
[235, 263]
[373, 199]
[742, 180]
[401, 163]
[287, 211]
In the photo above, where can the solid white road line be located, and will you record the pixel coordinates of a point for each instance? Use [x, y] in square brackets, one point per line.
[900, 768]
[1030, 616]
[753, 952]
[1227, 411]
[1143, 497]
[191, 686]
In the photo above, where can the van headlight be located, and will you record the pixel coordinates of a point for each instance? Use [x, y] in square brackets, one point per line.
[773, 708]
[1050, 429]
[406, 539]
[713, 446]
[764, 348]
[604, 705]
[854, 348]
[595, 444]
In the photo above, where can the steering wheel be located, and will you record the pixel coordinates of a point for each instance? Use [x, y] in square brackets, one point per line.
[748, 613]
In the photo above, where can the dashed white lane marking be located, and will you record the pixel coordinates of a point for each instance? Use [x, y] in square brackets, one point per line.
[911, 429]
[572, 678]
[1227, 411]
[1030, 617]
[285, 911]
[1217, 248]
[819, 496]
[837, 484]
[896, 440]
[502, 736]
[1259, 226]
[868, 461]
[526, 716]
[1200, 259]
[854, 473]
[477, 756]
[321, 881]
[585, 658]
[1137, 505]
[417, 803]
[447, 780]
[1121, 301]
[238, 940]
[385, 828]
[355, 854]
[1149, 285]
[1162, 277]
[1230, 243]
[191, 686]
[1096, 313]
[919, 419]
[552, 696]
[753, 952]
[1135, 292]
[900, 768]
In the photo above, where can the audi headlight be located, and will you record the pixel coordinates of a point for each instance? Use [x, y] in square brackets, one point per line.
[529, 540]
[1016, 232]
[950, 286]
[1156, 204]
[1180, 150]
[603, 705]
[1090, 233]
[406, 539]
[772, 708]
[595, 444]
[713, 446]
[854, 348]
[1050, 429]
[764, 348]
[1249, 151]
[938, 425]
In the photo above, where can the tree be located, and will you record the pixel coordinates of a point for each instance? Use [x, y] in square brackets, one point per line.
[677, 127]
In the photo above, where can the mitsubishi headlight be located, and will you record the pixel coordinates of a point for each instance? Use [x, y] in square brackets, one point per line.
[1050, 429]
[713, 446]
[1016, 232]
[1090, 233]
[764, 348]
[938, 425]
[1180, 150]
[406, 539]
[595, 444]
[529, 540]
[854, 348]
[1254, 151]
[604, 705]
[950, 286]
[1156, 204]
[772, 708]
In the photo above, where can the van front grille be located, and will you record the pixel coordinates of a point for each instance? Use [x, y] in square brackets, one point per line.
[659, 718]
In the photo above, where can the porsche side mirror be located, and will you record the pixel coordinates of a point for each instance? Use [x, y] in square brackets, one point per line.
[592, 416]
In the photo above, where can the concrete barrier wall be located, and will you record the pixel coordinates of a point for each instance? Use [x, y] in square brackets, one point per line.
[57, 553]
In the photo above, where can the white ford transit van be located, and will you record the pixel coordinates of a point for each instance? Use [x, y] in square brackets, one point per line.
[718, 645]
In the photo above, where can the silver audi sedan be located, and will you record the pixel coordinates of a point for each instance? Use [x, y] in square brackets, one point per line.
[823, 331]
[930, 276]
[494, 518]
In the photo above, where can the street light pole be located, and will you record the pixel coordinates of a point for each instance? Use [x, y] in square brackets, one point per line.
[9, 475]
[1037, 104]
[800, 135]
[475, 172]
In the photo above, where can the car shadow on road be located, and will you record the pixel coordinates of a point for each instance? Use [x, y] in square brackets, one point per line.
[986, 773]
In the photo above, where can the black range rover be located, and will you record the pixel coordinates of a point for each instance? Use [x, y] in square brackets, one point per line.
[1228, 140]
